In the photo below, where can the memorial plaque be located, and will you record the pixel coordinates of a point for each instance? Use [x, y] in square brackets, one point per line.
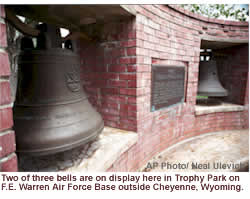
[168, 86]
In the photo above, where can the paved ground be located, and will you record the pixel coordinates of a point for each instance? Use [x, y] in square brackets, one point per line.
[219, 151]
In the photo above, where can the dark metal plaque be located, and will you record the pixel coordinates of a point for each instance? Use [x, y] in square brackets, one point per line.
[168, 86]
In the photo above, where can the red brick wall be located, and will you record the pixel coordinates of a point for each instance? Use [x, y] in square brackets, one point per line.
[108, 71]
[165, 35]
[8, 160]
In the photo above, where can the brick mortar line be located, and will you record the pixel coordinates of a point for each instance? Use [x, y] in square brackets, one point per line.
[5, 132]
[3, 159]
[2, 49]
[2, 21]
[6, 106]
[4, 79]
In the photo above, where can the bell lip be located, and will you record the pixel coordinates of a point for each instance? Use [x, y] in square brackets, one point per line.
[62, 148]
[213, 94]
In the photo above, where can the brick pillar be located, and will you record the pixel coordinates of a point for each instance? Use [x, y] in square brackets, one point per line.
[8, 159]
[109, 74]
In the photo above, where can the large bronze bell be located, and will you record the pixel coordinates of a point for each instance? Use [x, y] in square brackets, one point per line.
[51, 111]
[209, 84]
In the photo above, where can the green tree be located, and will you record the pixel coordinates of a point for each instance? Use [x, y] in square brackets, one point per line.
[228, 11]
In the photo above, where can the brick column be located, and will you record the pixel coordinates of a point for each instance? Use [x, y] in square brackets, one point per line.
[108, 72]
[8, 159]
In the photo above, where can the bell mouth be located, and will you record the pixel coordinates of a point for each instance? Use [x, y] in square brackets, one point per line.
[221, 92]
[208, 102]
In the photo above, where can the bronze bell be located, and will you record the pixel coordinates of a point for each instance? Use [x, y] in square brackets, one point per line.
[51, 111]
[209, 84]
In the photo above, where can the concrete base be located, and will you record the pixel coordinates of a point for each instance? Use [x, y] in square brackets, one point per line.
[219, 151]
[224, 107]
[112, 144]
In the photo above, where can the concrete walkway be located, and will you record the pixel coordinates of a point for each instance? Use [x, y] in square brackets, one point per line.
[218, 151]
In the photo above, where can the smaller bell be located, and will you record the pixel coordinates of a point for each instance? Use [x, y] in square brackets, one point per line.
[209, 84]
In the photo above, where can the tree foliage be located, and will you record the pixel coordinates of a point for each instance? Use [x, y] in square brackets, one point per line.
[228, 11]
